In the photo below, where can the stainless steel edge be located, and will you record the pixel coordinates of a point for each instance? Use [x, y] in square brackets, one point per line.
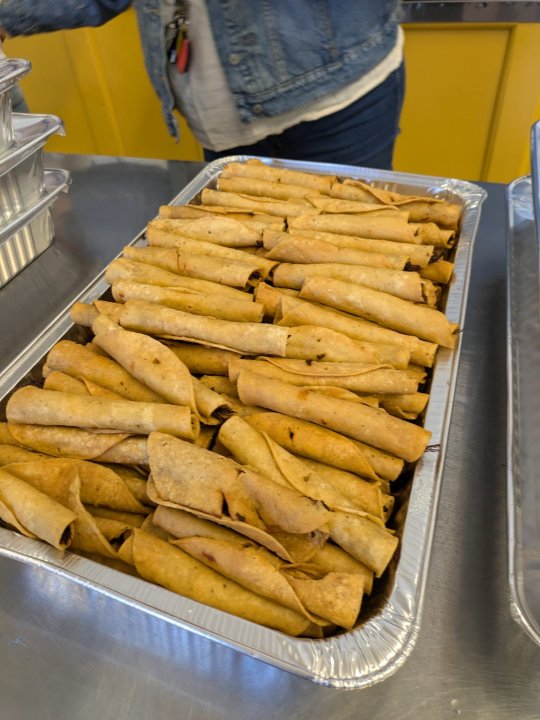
[376, 649]
[521, 476]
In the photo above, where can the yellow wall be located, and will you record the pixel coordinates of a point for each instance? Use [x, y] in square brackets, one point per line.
[473, 92]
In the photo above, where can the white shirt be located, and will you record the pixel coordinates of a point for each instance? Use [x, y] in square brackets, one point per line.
[204, 99]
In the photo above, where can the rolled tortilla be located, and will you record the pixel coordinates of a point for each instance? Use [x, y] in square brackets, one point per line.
[360, 422]
[47, 407]
[86, 313]
[431, 234]
[407, 407]
[202, 360]
[255, 204]
[258, 170]
[34, 513]
[297, 312]
[99, 485]
[336, 205]
[125, 269]
[204, 267]
[311, 441]
[195, 303]
[407, 285]
[440, 271]
[264, 188]
[218, 230]
[382, 228]
[75, 360]
[270, 297]
[255, 449]
[220, 384]
[351, 376]
[332, 558]
[148, 360]
[420, 208]
[368, 542]
[56, 380]
[307, 250]
[160, 238]
[424, 322]
[249, 338]
[162, 563]
[14, 454]
[212, 407]
[177, 470]
[416, 255]
[65, 442]
[127, 518]
[255, 221]
[311, 342]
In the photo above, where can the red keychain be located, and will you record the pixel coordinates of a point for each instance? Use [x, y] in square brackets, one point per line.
[183, 48]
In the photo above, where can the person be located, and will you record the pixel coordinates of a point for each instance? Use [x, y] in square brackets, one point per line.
[321, 81]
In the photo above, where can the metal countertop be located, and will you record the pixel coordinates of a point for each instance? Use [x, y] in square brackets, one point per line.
[69, 652]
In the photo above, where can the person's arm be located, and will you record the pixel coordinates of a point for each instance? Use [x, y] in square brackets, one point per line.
[28, 17]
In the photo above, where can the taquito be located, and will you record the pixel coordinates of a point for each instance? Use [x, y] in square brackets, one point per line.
[218, 230]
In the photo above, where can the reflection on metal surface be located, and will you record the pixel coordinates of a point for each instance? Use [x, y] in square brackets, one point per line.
[492, 11]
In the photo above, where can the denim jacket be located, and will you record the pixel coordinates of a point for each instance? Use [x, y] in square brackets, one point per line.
[258, 42]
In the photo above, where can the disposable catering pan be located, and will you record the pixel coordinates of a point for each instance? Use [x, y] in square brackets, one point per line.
[32, 231]
[383, 641]
[523, 363]
[22, 166]
[11, 71]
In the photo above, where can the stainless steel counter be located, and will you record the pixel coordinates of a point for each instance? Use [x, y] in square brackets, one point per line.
[69, 652]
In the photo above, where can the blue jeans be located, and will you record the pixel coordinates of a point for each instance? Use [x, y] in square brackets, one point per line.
[363, 133]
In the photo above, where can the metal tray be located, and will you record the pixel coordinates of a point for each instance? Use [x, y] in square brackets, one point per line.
[11, 71]
[22, 167]
[382, 643]
[32, 231]
[523, 363]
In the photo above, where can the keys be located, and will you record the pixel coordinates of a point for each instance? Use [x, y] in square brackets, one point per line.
[180, 47]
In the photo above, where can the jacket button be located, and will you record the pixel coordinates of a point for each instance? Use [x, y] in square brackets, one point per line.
[234, 58]
[257, 109]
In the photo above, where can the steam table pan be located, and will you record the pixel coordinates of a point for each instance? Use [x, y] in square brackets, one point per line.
[381, 644]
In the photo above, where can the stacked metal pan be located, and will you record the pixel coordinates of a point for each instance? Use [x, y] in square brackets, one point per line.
[27, 189]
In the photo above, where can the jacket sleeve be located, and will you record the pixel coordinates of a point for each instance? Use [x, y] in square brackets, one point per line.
[28, 17]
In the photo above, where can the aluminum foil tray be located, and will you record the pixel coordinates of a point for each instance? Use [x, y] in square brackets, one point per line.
[22, 166]
[32, 231]
[11, 71]
[382, 643]
[523, 364]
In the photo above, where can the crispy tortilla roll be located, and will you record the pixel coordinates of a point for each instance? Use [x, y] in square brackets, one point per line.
[257, 170]
[431, 234]
[440, 271]
[255, 221]
[203, 360]
[326, 446]
[249, 338]
[204, 267]
[148, 360]
[332, 558]
[420, 208]
[220, 384]
[366, 495]
[295, 312]
[65, 442]
[131, 451]
[160, 238]
[160, 562]
[127, 518]
[270, 297]
[382, 228]
[218, 230]
[265, 188]
[255, 449]
[188, 301]
[417, 255]
[365, 540]
[255, 204]
[13, 454]
[212, 407]
[424, 322]
[306, 250]
[177, 470]
[75, 360]
[407, 407]
[125, 269]
[360, 422]
[56, 380]
[335, 205]
[336, 597]
[34, 513]
[113, 530]
[406, 285]
[351, 376]
[86, 313]
[48, 407]
[99, 485]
